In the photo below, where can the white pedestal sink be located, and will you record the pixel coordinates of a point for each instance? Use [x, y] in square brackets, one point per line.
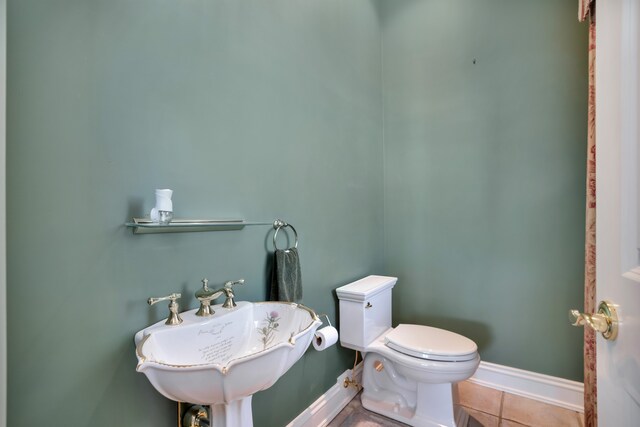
[222, 360]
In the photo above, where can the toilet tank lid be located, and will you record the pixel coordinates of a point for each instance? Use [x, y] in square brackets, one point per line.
[365, 288]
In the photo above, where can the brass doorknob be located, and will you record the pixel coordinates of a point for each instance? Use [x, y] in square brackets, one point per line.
[604, 321]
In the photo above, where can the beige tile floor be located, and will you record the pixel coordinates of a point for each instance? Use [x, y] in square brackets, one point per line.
[486, 406]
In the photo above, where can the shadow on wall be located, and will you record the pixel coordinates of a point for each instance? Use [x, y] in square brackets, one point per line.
[135, 207]
[398, 7]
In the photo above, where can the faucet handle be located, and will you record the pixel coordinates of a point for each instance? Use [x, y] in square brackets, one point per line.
[174, 317]
[228, 290]
[173, 297]
[231, 283]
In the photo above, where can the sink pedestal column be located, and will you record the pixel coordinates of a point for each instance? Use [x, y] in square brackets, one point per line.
[233, 414]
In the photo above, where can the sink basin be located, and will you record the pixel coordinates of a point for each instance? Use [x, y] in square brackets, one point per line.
[222, 360]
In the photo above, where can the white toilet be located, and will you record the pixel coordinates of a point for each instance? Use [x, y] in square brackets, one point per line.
[408, 370]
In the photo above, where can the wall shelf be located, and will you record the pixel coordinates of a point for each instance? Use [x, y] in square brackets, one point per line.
[146, 226]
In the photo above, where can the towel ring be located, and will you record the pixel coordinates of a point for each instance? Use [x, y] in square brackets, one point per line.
[278, 224]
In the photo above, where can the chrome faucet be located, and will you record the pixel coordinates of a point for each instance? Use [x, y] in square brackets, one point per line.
[205, 296]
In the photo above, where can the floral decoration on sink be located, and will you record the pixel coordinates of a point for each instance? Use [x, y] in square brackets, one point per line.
[271, 327]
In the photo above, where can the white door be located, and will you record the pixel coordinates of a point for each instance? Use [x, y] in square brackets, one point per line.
[618, 207]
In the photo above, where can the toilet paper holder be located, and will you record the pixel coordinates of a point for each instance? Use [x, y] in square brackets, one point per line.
[327, 316]
[326, 336]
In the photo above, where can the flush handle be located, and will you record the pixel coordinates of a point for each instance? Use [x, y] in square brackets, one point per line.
[604, 321]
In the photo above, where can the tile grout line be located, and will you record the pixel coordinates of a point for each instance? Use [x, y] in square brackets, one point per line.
[501, 408]
[479, 410]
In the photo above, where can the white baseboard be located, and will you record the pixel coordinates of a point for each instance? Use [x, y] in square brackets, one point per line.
[544, 388]
[327, 406]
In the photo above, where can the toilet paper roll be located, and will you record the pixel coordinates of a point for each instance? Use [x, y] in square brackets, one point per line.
[325, 337]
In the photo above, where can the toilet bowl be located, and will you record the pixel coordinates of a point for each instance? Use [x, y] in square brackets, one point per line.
[408, 370]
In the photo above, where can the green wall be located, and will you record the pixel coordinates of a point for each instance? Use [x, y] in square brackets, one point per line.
[250, 109]
[484, 173]
[261, 110]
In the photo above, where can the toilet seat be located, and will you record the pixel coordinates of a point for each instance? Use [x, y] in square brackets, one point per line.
[430, 343]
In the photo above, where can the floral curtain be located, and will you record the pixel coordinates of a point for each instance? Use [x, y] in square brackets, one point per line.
[586, 10]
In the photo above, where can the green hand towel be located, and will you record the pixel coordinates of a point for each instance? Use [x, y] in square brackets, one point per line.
[286, 277]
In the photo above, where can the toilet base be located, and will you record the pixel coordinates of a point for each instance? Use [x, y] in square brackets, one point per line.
[388, 392]
[437, 417]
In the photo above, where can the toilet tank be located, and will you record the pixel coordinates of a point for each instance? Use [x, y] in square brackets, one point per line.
[365, 310]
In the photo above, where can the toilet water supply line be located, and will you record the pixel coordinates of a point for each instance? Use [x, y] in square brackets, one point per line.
[352, 381]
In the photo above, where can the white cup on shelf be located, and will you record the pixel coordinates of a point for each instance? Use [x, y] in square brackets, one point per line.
[162, 213]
